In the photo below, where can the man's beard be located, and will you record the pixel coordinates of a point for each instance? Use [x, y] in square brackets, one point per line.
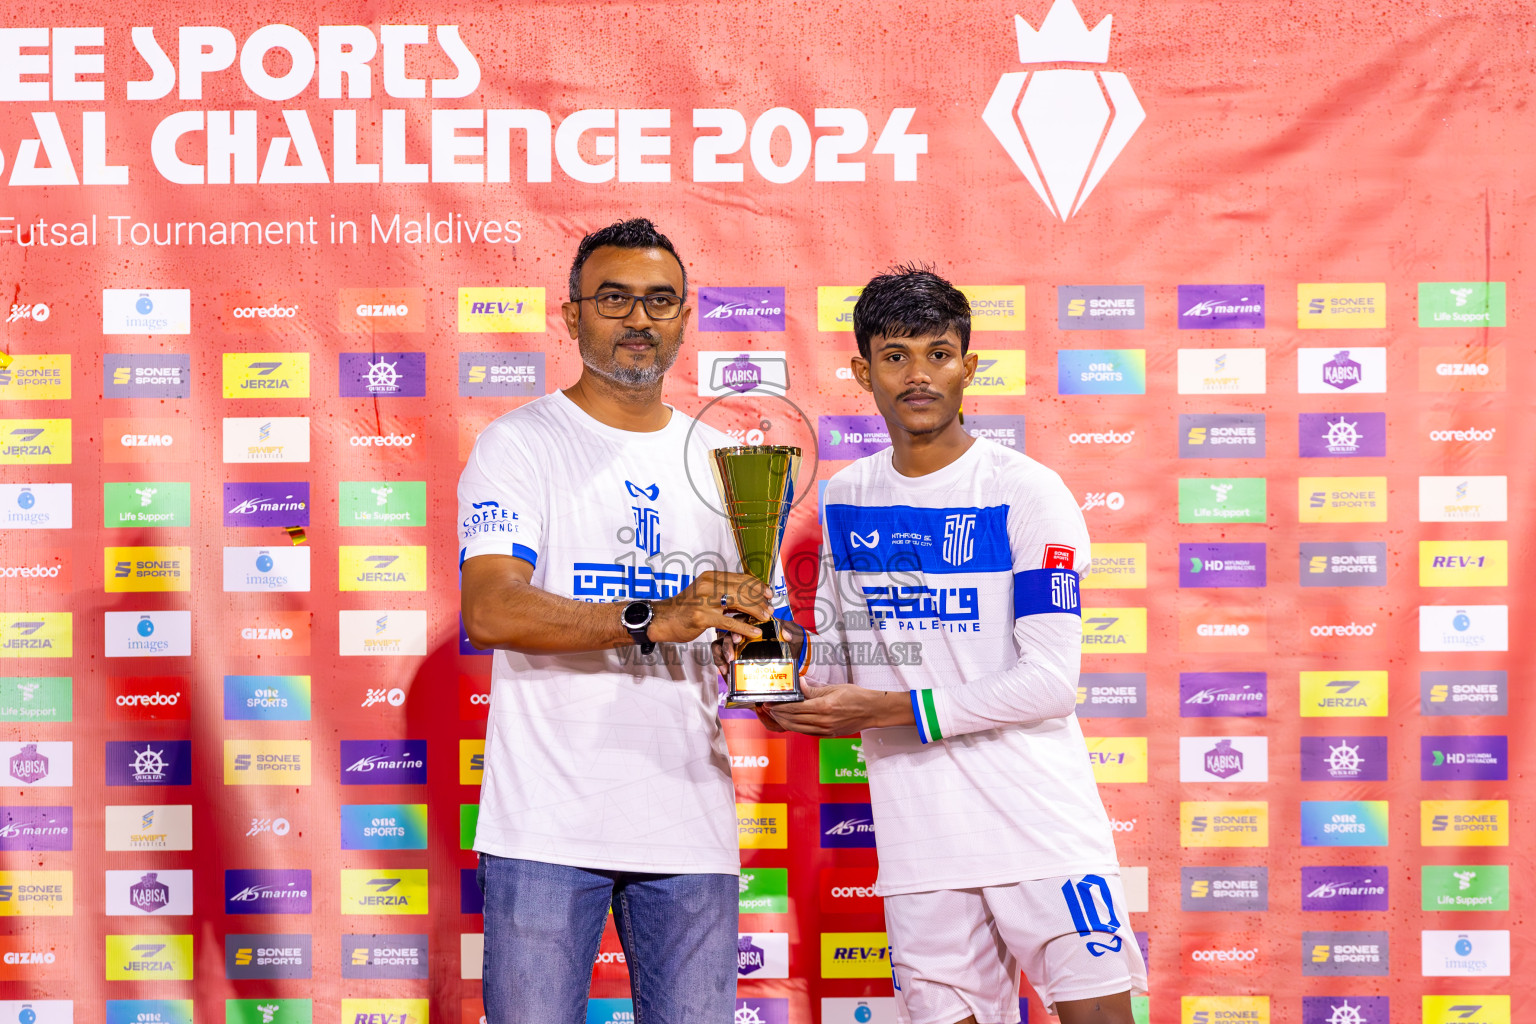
[606, 365]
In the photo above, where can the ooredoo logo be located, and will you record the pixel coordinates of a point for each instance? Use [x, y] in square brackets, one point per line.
[848, 891]
[142, 698]
[1063, 128]
[244, 311]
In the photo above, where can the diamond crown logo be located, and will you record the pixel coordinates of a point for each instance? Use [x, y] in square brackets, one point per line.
[1063, 127]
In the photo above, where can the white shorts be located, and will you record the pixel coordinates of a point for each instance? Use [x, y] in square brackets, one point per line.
[958, 952]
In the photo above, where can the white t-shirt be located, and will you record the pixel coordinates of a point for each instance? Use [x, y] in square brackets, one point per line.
[960, 587]
[603, 759]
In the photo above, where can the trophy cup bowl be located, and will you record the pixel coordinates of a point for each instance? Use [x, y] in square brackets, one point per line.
[757, 489]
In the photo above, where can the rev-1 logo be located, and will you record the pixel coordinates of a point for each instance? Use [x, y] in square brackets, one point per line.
[953, 609]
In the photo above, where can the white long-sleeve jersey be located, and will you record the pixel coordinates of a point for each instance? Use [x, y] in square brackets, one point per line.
[961, 588]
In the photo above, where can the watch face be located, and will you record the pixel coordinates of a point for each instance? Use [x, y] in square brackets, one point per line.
[637, 614]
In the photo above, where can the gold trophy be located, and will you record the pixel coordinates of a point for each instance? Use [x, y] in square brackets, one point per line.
[757, 489]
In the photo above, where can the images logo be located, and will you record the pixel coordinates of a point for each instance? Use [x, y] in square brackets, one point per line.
[1223, 823]
[383, 503]
[1062, 113]
[37, 635]
[383, 310]
[266, 762]
[266, 439]
[1343, 759]
[1223, 694]
[1342, 499]
[1112, 695]
[1344, 888]
[1331, 371]
[146, 311]
[1324, 435]
[35, 378]
[267, 891]
[36, 506]
[1463, 563]
[146, 375]
[1221, 306]
[36, 442]
[266, 374]
[514, 374]
[266, 570]
[149, 763]
[1465, 954]
[1344, 823]
[998, 372]
[1101, 371]
[1465, 887]
[1222, 565]
[266, 698]
[1468, 627]
[1341, 305]
[1101, 308]
[1353, 694]
[149, 957]
[383, 891]
[153, 503]
[1445, 758]
[1221, 436]
[147, 569]
[740, 309]
[1461, 304]
[1351, 564]
[1463, 499]
[382, 568]
[1464, 693]
[382, 374]
[501, 310]
[1223, 888]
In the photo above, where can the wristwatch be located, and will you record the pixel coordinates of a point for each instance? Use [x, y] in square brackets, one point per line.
[637, 616]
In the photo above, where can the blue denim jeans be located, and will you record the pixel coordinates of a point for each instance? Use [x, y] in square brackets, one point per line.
[543, 924]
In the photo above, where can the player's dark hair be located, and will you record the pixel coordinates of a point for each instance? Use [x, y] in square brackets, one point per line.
[635, 233]
[910, 301]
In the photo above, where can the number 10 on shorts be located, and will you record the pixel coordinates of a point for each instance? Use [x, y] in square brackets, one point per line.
[1083, 905]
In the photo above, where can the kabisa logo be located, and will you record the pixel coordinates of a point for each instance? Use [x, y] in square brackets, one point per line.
[738, 372]
[30, 766]
[1062, 114]
[1341, 372]
[149, 894]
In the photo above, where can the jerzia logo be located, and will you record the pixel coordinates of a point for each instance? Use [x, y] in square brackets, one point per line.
[1063, 127]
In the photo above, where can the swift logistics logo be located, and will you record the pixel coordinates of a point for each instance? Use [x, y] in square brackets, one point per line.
[148, 569]
[1203, 889]
[1115, 566]
[266, 955]
[1112, 695]
[1463, 563]
[1343, 759]
[1342, 499]
[1221, 371]
[1345, 954]
[502, 310]
[1329, 306]
[267, 762]
[266, 374]
[29, 442]
[1223, 823]
[1212, 307]
[1221, 436]
[1450, 758]
[267, 698]
[146, 375]
[1464, 887]
[1344, 888]
[266, 439]
[1223, 694]
[37, 634]
[382, 632]
[1464, 693]
[1461, 303]
[1328, 435]
[741, 309]
[268, 891]
[1344, 823]
[1343, 564]
[149, 827]
[146, 311]
[501, 374]
[36, 506]
[149, 957]
[382, 374]
[1463, 499]
[151, 503]
[383, 891]
[368, 567]
[35, 378]
[1343, 694]
[1103, 371]
[382, 503]
[1063, 128]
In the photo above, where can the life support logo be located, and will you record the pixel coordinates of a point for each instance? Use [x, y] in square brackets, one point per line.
[1063, 128]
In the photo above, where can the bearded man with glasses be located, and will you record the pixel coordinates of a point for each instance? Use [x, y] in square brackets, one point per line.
[593, 567]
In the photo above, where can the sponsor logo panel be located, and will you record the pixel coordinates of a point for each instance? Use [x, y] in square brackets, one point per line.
[150, 503]
[1223, 823]
[389, 956]
[502, 310]
[1331, 371]
[149, 762]
[1465, 954]
[1117, 371]
[383, 891]
[1223, 500]
[864, 1010]
[1470, 367]
[847, 825]
[738, 372]
[146, 311]
[1464, 693]
[1212, 307]
[1463, 499]
[764, 890]
[48, 442]
[1006, 430]
[266, 439]
[149, 827]
[147, 569]
[506, 374]
[1464, 822]
[37, 568]
[1343, 758]
[1112, 695]
[1346, 694]
[28, 377]
[1345, 954]
[1463, 563]
[1344, 823]
[1224, 1009]
[1118, 758]
[370, 567]
[762, 955]
[283, 633]
[1223, 759]
[258, 570]
[382, 310]
[1342, 499]
[1117, 566]
[762, 826]
[266, 374]
[383, 762]
[267, 955]
[37, 893]
[267, 698]
[1338, 435]
[382, 374]
[850, 437]
[149, 1011]
[383, 826]
[277, 504]
[1221, 371]
[383, 632]
[1334, 306]
[1464, 886]
[995, 307]
[1222, 565]
[383, 503]
[1468, 627]
[137, 893]
[38, 763]
[1223, 888]
[56, 1011]
[741, 309]
[471, 761]
[1219, 629]
[855, 955]
[1484, 1009]
[1223, 694]
[268, 891]
[267, 762]
[149, 957]
[146, 440]
[1221, 436]
[1343, 564]
[834, 306]
[37, 635]
[1458, 434]
[254, 311]
[756, 761]
[1101, 307]
[36, 506]
[1114, 631]
[146, 375]
[848, 891]
[37, 699]
[384, 438]
[1344, 888]
[1461, 303]
[999, 371]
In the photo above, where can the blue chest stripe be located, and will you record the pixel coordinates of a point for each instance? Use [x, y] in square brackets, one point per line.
[897, 538]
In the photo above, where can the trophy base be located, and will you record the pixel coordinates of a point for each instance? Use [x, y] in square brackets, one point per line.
[763, 673]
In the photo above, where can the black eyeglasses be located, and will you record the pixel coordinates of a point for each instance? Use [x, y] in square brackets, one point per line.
[618, 305]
